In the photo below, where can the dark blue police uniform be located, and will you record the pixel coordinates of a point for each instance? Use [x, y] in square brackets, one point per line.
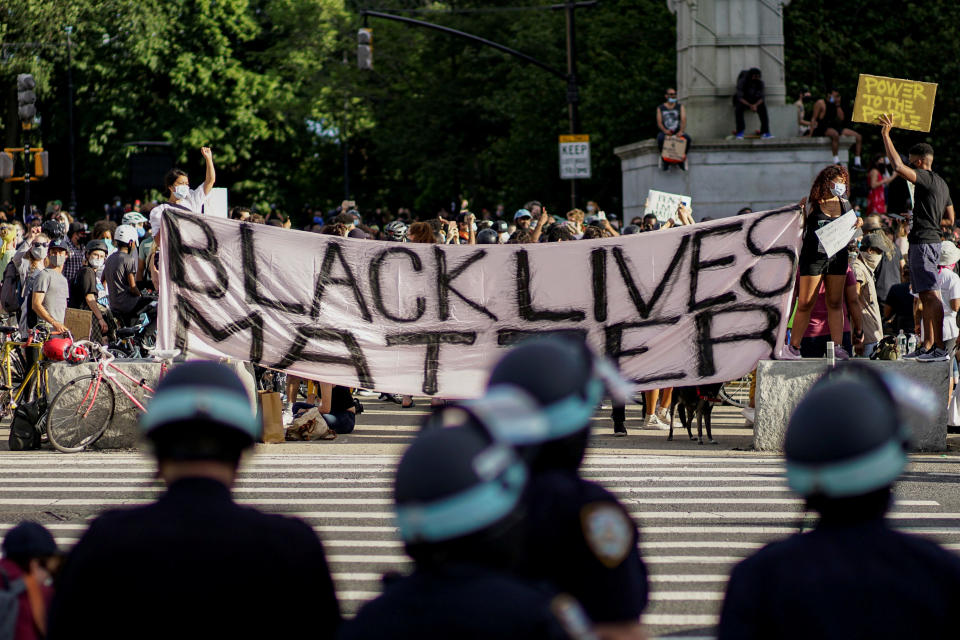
[844, 582]
[195, 564]
[466, 602]
[584, 542]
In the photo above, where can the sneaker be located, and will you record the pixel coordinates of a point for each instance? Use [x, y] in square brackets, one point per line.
[365, 393]
[739, 135]
[749, 414]
[684, 166]
[936, 354]
[767, 136]
[916, 353]
[653, 422]
[789, 352]
[664, 414]
[619, 430]
[661, 163]
[839, 353]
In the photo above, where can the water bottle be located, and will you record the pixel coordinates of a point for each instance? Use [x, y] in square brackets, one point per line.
[902, 343]
[912, 343]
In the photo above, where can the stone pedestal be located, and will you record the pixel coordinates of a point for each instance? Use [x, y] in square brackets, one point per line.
[723, 176]
[781, 384]
[123, 432]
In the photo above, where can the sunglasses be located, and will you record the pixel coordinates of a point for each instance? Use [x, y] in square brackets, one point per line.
[41, 244]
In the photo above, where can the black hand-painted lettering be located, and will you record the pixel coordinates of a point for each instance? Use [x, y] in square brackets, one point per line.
[444, 288]
[511, 337]
[376, 288]
[356, 359]
[324, 280]
[644, 309]
[525, 297]
[178, 253]
[746, 280]
[697, 265]
[188, 315]
[251, 276]
[615, 350]
[706, 341]
[598, 269]
[433, 340]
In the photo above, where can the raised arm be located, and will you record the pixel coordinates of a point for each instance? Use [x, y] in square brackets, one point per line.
[211, 172]
[886, 124]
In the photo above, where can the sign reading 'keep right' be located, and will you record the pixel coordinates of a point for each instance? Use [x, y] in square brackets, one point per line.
[910, 102]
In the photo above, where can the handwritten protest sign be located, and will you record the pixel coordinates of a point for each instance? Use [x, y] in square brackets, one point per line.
[664, 205]
[690, 305]
[837, 234]
[910, 102]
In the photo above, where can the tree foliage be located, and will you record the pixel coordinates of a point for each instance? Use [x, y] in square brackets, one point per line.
[272, 86]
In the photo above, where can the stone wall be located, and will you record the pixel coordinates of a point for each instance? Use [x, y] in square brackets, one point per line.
[781, 384]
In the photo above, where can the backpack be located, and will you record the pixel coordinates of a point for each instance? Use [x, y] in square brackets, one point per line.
[886, 349]
[10, 605]
[24, 434]
[10, 298]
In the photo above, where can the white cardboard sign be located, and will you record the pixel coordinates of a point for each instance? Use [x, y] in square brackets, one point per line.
[837, 234]
[664, 205]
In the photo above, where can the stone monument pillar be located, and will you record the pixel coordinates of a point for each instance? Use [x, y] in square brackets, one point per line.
[716, 40]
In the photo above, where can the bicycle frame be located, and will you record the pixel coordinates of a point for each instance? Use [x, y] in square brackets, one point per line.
[106, 369]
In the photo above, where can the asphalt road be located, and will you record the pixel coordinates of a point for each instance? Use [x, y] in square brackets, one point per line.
[700, 507]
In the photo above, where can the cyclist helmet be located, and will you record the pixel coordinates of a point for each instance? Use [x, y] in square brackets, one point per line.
[96, 245]
[201, 411]
[57, 349]
[77, 353]
[54, 229]
[396, 231]
[132, 218]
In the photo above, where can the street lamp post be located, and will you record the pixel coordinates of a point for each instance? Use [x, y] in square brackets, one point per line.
[73, 187]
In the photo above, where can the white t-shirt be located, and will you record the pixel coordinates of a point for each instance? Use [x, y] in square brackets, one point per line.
[194, 202]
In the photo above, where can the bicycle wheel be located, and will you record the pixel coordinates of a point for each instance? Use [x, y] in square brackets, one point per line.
[80, 413]
[737, 392]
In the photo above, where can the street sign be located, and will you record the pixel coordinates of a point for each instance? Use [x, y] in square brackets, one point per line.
[574, 157]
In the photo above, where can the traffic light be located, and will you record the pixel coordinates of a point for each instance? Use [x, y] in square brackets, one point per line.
[26, 98]
[7, 165]
[41, 164]
[365, 48]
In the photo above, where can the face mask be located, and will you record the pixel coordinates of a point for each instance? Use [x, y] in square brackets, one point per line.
[141, 232]
[830, 99]
[38, 253]
[181, 191]
[838, 189]
[109, 244]
[872, 260]
[672, 100]
[58, 260]
[591, 208]
[96, 263]
[473, 225]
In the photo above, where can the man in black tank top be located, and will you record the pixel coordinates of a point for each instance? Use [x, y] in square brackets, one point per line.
[671, 120]
[828, 119]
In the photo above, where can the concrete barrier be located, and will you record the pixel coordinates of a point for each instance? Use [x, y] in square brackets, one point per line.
[123, 432]
[781, 384]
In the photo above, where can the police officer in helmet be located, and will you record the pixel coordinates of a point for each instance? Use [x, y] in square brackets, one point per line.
[852, 576]
[460, 513]
[194, 563]
[580, 537]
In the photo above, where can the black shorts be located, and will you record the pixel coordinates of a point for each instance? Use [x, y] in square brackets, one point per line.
[819, 264]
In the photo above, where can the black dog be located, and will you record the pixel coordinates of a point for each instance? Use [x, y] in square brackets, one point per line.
[694, 401]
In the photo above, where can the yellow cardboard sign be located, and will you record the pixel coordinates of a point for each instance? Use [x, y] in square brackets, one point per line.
[579, 137]
[910, 102]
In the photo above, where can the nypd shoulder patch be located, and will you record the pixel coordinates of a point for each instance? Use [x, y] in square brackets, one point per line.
[608, 531]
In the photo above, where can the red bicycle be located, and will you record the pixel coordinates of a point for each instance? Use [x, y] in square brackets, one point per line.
[83, 408]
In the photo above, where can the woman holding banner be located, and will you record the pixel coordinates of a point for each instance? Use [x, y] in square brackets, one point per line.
[825, 204]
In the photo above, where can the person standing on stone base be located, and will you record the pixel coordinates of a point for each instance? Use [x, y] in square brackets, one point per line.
[672, 122]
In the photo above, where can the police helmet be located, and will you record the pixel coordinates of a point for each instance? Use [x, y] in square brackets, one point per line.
[849, 435]
[395, 231]
[201, 411]
[456, 482]
[564, 377]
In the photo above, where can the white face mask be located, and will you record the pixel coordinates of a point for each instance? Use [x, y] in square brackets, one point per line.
[96, 263]
[181, 191]
[838, 189]
[38, 253]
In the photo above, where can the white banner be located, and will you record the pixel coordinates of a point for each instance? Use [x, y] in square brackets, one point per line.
[683, 306]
